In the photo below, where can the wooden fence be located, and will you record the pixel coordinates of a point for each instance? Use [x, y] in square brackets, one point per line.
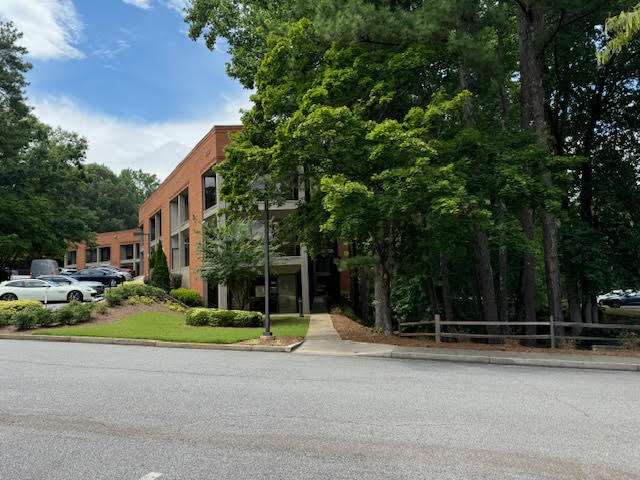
[555, 330]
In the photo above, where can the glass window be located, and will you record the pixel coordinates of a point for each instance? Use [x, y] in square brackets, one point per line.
[126, 252]
[15, 284]
[35, 284]
[209, 187]
[91, 255]
[175, 251]
[105, 254]
[152, 228]
[72, 256]
[186, 247]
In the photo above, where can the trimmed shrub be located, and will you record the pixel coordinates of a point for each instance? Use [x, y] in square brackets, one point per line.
[114, 297]
[31, 317]
[117, 295]
[213, 317]
[187, 296]
[176, 307]
[140, 300]
[5, 318]
[175, 281]
[14, 306]
[73, 313]
[101, 308]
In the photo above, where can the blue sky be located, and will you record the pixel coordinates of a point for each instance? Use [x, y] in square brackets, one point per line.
[124, 74]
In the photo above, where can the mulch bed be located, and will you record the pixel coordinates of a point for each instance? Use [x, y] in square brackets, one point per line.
[272, 342]
[351, 330]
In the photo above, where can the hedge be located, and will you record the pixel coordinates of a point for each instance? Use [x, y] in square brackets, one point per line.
[212, 317]
[17, 305]
[187, 296]
[117, 295]
[73, 313]
[33, 316]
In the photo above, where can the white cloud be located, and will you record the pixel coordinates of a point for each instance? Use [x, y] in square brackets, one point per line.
[51, 28]
[178, 5]
[144, 4]
[155, 147]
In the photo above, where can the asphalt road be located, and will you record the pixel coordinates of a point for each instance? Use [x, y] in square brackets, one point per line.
[77, 411]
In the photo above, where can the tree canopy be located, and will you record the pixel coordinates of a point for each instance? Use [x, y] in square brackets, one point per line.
[49, 196]
[431, 132]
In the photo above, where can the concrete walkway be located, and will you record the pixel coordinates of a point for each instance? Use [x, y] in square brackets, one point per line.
[322, 339]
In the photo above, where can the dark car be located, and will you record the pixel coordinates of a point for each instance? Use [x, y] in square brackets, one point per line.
[624, 299]
[97, 275]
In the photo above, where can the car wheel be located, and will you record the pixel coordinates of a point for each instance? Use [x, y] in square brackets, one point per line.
[74, 296]
[8, 297]
[113, 283]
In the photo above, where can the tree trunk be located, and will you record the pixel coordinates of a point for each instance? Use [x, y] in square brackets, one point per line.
[485, 279]
[382, 287]
[363, 296]
[481, 241]
[573, 297]
[503, 283]
[531, 22]
[587, 308]
[528, 272]
[446, 288]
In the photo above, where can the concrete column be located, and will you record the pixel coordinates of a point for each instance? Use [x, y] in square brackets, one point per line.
[304, 276]
[222, 297]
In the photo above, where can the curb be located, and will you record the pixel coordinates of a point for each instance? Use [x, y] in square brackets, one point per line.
[517, 361]
[154, 343]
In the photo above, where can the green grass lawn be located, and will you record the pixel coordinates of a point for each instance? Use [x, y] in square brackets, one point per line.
[171, 327]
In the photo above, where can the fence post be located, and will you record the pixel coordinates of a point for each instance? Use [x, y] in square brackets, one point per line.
[437, 319]
[552, 331]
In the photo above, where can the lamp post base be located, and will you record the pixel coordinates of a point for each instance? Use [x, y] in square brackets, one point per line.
[266, 336]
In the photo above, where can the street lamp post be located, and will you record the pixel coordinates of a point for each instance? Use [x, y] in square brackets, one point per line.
[267, 281]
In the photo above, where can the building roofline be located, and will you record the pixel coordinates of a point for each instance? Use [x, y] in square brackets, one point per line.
[212, 131]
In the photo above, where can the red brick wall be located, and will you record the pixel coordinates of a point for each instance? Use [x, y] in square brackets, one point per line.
[106, 239]
[188, 174]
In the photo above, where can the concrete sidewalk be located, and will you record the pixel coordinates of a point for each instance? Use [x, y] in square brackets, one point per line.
[322, 339]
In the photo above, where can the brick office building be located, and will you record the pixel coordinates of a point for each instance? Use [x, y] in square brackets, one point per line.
[122, 249]
[173, 217]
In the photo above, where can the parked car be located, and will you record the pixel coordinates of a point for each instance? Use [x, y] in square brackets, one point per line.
[35, 289]
[113, 270]
[98, 275]
[68, 270]
[44, 266]
[67, 280]
[621, 299]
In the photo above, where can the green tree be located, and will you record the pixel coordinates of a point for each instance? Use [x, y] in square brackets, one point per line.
[142, 184]
[623, 28]
[232, 256]
[40, 210]
[522, 148]
[160, 271]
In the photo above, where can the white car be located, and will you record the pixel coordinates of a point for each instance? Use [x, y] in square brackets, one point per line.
[34, 289]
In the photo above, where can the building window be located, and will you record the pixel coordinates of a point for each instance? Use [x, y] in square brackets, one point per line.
[209, 188]
[185, 245]
[126, 252]
[175, 253]
[152, 228]
[72, 257]
[183, 200]
[91, 255]
[105, 254]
